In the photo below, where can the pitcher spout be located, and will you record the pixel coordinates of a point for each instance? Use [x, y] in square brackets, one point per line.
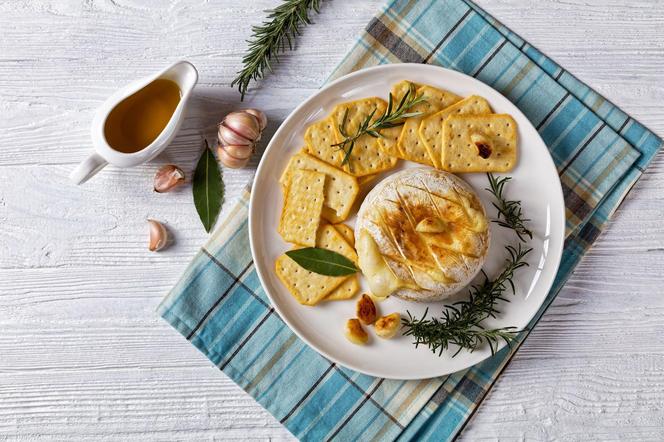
[184, 74]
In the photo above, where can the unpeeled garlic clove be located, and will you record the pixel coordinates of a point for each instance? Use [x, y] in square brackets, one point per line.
[238, 151]
[229, 136]
[230, 161]
[158, 236]
[260, 116]
[167, 178]
[243, 125]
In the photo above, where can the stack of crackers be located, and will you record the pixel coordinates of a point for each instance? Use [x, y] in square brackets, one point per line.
[317, 198]
[451, 133]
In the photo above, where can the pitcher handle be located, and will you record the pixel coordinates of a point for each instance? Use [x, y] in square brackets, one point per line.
[87, 168]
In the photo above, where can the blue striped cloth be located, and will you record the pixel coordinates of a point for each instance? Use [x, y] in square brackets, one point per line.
[221, 308]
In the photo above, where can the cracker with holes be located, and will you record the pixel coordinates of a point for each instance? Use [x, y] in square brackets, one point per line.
[307, 287]
[310, 288]
[319, 138]
[302, 209]
[340, 187]
[409, 144]
[389, 138]
[366, 157]
[347, 232]
[481, 143]
[431, 127]
[346, 290]
[366, 179]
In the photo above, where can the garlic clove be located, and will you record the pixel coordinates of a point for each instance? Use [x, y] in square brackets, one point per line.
[229, 136]
[260, 116]
[387, 326]
[243, 124]
[230, 161]
[158, 236]
[355, 333]
[365, 310]
[239, 152]
[167, 178]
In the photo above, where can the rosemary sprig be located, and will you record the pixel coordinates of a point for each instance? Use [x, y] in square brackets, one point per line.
[460, 323]
[271, 37]
[388, 119]
[510, 214]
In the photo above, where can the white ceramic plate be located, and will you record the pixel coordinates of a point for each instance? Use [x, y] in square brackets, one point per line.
[535, 182]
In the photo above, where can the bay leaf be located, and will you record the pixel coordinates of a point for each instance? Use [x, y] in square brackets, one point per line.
[322, 261]
[208, 188]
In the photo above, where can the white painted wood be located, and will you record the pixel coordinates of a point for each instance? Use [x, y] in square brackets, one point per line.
[84, 356]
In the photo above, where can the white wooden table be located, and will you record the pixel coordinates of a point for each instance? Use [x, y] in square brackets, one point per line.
[82, 352]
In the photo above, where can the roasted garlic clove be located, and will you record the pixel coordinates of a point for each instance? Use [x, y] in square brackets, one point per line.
[387, 326]
[366, 310]
[355, 333]
[483, 145]
[432, 224]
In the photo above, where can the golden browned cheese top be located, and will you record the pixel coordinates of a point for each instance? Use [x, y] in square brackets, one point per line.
[430, 234]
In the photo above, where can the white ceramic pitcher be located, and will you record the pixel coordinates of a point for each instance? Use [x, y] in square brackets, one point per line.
[182, 73]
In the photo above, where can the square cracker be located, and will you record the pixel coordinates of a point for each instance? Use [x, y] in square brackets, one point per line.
[431, 127]
[409, 143]
[307, 287]
[479, 143]
[367, 158]
[319, 138]
[329, 238]
[347, 232]
[366, 179]
[390, 137]
[345, 290]
[303, 205]
[340, 187]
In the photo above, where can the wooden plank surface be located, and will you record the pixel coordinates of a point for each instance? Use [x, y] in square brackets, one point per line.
[84, 355]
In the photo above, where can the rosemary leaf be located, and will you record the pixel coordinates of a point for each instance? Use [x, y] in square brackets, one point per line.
[510, 214]
[389, 118]
[271, 38]
[461, 322]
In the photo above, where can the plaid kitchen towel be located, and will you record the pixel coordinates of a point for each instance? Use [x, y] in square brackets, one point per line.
[221, 308]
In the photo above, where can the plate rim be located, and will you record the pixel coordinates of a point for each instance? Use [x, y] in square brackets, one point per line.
[262, 164]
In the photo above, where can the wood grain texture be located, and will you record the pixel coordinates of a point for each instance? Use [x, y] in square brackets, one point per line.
[84, 355]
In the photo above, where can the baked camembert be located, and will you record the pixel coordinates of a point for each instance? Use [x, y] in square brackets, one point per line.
[421, 234]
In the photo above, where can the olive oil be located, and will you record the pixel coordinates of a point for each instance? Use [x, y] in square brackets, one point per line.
[138, 119]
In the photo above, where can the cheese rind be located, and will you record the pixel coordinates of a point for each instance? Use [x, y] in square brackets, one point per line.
[417, 237]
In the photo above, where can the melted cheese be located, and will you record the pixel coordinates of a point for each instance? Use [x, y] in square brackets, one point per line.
[382, 281]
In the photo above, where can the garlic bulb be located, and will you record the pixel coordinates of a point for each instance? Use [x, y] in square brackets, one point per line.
[167, 178]
[158, 236]
[238, 134]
